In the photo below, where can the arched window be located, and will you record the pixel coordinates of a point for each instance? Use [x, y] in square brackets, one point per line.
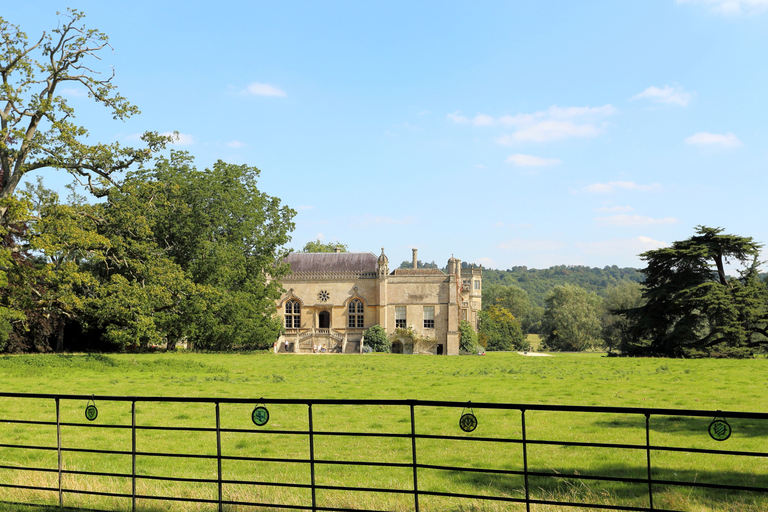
[292, 314]
[356, 316]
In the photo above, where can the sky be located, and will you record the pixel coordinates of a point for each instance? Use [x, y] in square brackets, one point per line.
[528, 132]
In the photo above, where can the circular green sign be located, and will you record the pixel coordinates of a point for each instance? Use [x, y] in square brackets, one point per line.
[260, 416]
[719, 430]
[91, 412]
[468, 422]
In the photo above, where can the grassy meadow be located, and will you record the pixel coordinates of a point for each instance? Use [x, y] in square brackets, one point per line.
[565, 379]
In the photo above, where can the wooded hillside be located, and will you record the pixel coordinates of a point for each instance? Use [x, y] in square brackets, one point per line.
[540, 282]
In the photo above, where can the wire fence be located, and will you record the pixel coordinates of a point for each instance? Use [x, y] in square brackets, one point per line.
[421, 426]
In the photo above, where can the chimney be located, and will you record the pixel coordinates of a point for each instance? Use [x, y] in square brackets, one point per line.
[415, 258]
[337, 249]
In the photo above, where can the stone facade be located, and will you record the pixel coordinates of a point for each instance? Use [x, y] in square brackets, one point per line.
[331, 298]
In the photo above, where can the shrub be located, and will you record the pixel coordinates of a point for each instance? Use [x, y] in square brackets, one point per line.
[467, 338]
[376, 338]
[501, 330]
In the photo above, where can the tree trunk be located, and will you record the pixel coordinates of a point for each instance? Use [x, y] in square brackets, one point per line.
[60, 337]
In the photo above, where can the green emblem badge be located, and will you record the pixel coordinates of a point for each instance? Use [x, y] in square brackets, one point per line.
[260, 416]
[91, 412]
[719, 429]
[468, 422]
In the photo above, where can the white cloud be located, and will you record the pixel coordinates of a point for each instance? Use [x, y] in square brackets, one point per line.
[614, 209]
[480, 166]
[551, 124]
[731, 6]
[320, 237]
[555, 123]
[611, 186]
[728, 140]
[236, 144]
[483, 120]
[633, 220]
[674, 95]
[456, 117]
[521, 160]
[621, 247]
[259, 89]
[523, 245]
[180, 139]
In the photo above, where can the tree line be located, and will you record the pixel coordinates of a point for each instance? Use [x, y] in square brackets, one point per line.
[686, 305]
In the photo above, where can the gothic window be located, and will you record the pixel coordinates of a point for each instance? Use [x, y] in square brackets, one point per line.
[356, 315]
[429, 317]
[400, 317]
[292, 314]
[477, 284]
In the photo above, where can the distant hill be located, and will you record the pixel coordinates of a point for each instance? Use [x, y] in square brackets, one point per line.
[539, 282]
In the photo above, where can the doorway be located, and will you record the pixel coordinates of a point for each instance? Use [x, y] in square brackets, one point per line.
[324, 318]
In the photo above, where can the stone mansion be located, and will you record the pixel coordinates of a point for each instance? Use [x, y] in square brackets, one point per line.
[332, 298]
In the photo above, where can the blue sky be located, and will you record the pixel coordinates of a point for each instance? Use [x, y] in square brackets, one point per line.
[507, 133]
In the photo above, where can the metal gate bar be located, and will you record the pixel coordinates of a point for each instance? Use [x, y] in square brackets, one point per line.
[313, 462]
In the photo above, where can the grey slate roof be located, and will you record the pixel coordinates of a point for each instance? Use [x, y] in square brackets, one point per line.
[332, 261]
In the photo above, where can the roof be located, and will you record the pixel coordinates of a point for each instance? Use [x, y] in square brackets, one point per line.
[417, 272]
[332, 261]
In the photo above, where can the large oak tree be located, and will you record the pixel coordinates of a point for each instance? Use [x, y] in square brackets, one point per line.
[37, 126]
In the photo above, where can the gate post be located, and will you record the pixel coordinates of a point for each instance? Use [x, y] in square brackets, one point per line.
[218, 453]
[525, 463]
[58, 449]
[133, 456]
[415, 471]
[648, 457]
[312, 459]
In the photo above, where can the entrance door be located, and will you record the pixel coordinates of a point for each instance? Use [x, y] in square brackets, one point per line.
[397, 347]
[325, 320]
[440, 349]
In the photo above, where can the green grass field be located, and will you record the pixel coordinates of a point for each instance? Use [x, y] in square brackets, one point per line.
[565, 379]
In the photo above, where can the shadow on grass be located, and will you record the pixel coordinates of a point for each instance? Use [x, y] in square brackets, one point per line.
[563, 484]
[689, 426]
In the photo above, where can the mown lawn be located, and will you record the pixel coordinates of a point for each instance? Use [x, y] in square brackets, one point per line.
[567, 379]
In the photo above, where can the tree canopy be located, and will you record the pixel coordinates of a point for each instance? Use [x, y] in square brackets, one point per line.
[320, 246]
[174, 254]
[499, 330]
[37, 126]
[571, 319]
[692, 308]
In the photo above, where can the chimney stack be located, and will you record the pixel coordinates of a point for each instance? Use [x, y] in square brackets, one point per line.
[415, 258]
[337, 249]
